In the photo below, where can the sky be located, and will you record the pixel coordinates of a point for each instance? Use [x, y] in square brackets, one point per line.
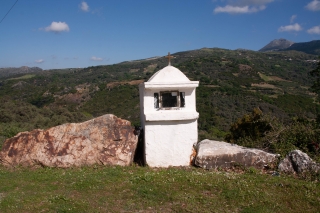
[54, 34]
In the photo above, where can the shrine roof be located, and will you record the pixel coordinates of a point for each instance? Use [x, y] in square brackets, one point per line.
[169, 74]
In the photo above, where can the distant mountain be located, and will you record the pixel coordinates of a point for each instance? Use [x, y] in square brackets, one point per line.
[9, 71]
[277, 44]
[311, 47]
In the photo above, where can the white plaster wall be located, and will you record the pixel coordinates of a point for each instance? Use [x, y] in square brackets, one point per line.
[169, 143]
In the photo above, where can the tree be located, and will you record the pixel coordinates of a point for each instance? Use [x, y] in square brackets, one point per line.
[252, 126]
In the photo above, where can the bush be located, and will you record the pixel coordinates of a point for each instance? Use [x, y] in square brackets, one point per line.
[252, 126]
[268, 133]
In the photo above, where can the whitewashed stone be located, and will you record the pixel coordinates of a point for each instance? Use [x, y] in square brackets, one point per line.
[217, 154]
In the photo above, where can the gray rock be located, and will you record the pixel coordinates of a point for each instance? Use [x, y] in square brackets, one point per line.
[298, 162]
[217, 154]
[106, 140]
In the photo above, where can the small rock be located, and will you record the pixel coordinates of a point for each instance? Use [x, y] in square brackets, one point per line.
[298, 162]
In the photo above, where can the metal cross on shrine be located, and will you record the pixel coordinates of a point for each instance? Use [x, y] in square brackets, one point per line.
[169, 57]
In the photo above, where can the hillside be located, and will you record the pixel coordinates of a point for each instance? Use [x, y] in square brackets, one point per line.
[232, 83]
[311, 47]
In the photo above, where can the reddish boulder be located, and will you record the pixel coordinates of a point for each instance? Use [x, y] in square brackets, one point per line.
[106, 140]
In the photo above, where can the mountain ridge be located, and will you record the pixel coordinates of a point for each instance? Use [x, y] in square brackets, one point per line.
[8, 71]
[276, 44]
[309, 47]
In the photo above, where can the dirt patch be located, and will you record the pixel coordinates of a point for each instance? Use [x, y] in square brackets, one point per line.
[244, 67]
[81, 95]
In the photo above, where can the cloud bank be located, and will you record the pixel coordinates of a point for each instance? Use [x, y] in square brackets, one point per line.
[84, 6]
[237, 9]
[243, 6]
[290, 28]
[93, 58]
[314, 30]
[314, 5]
[39, 61]
[57, 27]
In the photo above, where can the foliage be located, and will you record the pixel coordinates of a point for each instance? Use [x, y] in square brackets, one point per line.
[316, 74]
[41, 101]
[17, 116]
[269, 133]
[251, 126]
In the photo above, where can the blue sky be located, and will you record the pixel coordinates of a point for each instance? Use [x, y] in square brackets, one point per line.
[55, 34]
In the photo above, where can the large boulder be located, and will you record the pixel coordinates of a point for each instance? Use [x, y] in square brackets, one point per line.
[297, 161]
[217, 154]
[106, 140]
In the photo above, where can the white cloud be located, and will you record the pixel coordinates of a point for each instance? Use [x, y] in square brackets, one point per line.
[289, 28]
[93, 58]
[314, 5]
[84, 6]
[293, 17]
[249, 2]
[243, 6]
[57, 27]
[39, 61]
[314, 30]
[238, 9]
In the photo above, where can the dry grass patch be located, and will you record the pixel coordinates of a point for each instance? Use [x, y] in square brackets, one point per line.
[271, 78]
[118, 83]
[150, 68]
[265, 85]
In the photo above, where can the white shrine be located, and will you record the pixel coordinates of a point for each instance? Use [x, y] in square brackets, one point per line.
[168, 117]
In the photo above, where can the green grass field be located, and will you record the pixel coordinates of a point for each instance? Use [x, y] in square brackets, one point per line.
[27, 76]
[143, 189]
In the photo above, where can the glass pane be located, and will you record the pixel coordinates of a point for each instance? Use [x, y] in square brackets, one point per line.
[168, 100]
[156, 100]
[182, 99]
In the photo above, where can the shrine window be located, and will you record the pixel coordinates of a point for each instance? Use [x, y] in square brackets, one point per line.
[169, 100]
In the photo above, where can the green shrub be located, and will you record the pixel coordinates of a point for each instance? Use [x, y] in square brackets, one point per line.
[252, 126]
[257, 130]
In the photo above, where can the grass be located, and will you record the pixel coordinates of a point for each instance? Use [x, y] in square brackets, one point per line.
[265, 77]
[27, 76]
[143, 189]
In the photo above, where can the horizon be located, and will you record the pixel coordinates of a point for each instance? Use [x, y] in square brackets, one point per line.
[78, 34]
